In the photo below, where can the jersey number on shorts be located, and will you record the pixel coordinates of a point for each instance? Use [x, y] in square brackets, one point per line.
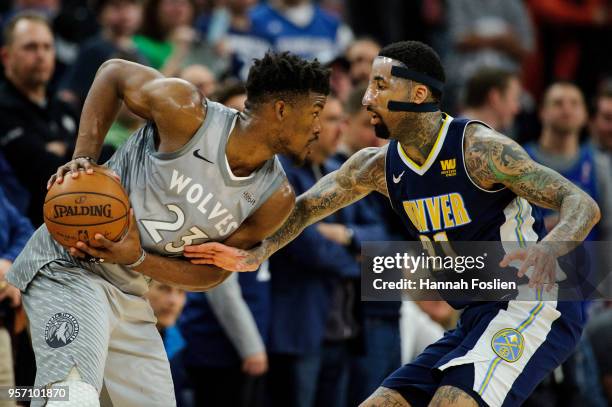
[153, 227]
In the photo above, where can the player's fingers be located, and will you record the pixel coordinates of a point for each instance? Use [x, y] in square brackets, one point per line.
[210, 247]
[51, 180]
[59, 174]
[101, 241]
[89, 250]
[74, 252]
[528, 262]
[519, 254]
[74, 169]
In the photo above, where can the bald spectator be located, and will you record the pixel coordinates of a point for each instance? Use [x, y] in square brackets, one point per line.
[201, 77]
[493, 96]
[563, 115]
[37, 130]
[360, 55]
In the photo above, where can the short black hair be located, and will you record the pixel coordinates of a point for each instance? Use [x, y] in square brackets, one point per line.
[284, 74]
[484, 81]
[99, 5]
[418, 57]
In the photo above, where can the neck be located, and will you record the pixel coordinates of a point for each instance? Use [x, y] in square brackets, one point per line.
[247, 148]
[418, 134]
[36, 94]
[565, 144]
[484, 115]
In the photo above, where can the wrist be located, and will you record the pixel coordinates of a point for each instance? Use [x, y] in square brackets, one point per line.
[141, 258]
[84, 157]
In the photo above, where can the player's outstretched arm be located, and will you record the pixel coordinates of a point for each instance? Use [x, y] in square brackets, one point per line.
[492, 158]
[180, 272]
[174, 105]
[361, 174]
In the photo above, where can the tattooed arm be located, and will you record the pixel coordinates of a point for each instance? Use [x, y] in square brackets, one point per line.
[492, 159]
[361, 174]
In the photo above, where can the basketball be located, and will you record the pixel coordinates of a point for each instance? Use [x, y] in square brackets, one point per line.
[78, 209]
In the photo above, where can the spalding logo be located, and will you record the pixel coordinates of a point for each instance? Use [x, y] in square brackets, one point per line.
[60, 211]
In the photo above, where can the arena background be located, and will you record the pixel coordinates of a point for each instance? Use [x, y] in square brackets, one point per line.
[539, 71]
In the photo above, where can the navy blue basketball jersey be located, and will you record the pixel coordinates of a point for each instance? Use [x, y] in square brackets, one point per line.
[438, 201]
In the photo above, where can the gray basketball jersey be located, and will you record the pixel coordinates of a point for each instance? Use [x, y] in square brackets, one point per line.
[181, 198]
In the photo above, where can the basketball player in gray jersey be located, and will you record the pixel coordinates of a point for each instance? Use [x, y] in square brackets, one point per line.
[196, 172]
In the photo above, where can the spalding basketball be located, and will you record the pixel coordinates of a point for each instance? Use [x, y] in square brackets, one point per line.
[79, 208]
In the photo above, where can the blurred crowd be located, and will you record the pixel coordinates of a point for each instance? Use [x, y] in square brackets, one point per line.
[296, 333]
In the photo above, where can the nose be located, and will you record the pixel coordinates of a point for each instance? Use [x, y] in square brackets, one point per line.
[368, 96]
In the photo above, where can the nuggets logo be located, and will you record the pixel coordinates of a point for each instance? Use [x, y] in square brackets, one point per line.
[61, 329]
[449, 167]
[508, 344]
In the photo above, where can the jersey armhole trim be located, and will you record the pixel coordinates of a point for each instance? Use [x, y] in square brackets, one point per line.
[467, 174]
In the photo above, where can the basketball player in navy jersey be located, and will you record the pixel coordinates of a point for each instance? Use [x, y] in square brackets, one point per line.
[482, 184]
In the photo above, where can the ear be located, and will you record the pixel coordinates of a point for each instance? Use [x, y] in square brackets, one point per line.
[281, 109]
[420, 93]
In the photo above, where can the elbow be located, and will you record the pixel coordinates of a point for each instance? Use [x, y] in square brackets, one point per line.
[111, 65]
[596, 212]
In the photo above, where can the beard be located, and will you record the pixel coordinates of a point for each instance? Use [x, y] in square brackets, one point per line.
[382, 131]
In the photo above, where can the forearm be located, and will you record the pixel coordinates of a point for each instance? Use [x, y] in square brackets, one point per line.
[181, 273]
[577, 216]
[99, 111]
[115, 81]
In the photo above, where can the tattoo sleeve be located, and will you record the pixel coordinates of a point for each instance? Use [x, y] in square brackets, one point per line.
[361, 174]
[492, 158]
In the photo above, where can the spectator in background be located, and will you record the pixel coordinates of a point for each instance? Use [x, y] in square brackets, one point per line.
[35, 126]
[360, 55]
[492, 96]
[166, 36]
[485, 33]
[563, 115]
[232, 94]
[569, 43]
[308, 359]
[225, 341]
[119, 20]
[17, 195]
[15, 230]
[601, 122]
[201, 77]
[380, 351]
[167, 303]
[230, 30]
[598, 333]
[301, 27]
[125, 124]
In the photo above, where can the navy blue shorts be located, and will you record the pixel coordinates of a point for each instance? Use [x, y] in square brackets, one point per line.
[498, 353]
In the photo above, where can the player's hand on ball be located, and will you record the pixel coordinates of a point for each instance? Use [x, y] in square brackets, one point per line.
[543, 261]
[256, 364]
[225, 257]
[125, 251]
[75, 167]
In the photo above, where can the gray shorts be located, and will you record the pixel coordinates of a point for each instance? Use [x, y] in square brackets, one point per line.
[79, 319]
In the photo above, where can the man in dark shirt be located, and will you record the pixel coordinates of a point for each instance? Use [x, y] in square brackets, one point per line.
[36, 129]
